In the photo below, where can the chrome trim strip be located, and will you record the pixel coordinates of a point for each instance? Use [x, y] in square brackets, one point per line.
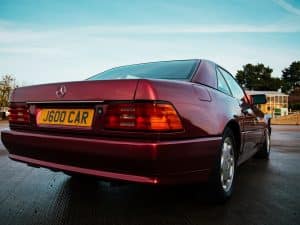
[54, 102]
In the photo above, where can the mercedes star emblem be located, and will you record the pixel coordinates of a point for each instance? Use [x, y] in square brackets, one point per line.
[61, 91]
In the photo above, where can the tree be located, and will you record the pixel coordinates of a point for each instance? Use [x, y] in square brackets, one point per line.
[291, 76]
[258, 77]
[7, 84]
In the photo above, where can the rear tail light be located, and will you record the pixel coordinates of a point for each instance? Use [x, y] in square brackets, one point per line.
[18, 114]
[142, 117]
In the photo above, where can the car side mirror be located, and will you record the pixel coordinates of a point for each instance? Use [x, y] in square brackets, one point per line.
[258, 99]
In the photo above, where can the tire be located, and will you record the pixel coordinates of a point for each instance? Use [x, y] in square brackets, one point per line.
[264, 151]
[223, 175]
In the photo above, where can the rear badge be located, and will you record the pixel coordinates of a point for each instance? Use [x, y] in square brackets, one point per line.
[61, 91]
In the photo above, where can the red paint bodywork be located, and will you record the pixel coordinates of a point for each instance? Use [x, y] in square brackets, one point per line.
[146, 157]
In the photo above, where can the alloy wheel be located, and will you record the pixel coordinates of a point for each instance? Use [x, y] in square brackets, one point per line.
[227, 164]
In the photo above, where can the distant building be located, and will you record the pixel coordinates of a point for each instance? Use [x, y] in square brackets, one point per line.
[277, 103]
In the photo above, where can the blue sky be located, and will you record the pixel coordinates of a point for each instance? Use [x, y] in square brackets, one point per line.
[61, 40]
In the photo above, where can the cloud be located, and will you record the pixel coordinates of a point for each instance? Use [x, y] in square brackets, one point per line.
[9, 35]
[31, 50]
[288, 7]
[194, 29]
[13, 34]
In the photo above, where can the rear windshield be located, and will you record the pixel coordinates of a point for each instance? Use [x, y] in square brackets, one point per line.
[177, 70]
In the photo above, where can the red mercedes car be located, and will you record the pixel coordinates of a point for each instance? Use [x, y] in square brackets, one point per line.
[170, 122]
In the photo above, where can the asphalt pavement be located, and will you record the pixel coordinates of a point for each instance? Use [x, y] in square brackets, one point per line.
[267, 192]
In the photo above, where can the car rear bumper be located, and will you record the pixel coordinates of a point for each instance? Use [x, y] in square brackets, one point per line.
[164, 162]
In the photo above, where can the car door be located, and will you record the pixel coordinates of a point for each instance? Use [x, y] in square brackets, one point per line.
[251, 131]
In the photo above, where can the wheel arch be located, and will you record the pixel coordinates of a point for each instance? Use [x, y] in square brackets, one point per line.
[234, 126]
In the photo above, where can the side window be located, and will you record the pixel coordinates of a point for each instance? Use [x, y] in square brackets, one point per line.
[222, 85]
[235, 88]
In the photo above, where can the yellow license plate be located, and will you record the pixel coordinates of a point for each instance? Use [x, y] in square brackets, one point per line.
[66, 117]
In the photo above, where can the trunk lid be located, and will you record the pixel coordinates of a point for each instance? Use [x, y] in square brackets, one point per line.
[77, 91]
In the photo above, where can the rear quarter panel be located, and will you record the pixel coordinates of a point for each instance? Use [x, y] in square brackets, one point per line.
[203, 110]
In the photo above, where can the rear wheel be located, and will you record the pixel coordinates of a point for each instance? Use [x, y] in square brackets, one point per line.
[223, 177]
[265, 149]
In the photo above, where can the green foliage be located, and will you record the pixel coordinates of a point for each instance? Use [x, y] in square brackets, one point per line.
[294, 106]
[258, 77]
[290, 76]
[7, 84]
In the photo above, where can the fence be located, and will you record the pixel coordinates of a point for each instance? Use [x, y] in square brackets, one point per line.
[292, 119]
